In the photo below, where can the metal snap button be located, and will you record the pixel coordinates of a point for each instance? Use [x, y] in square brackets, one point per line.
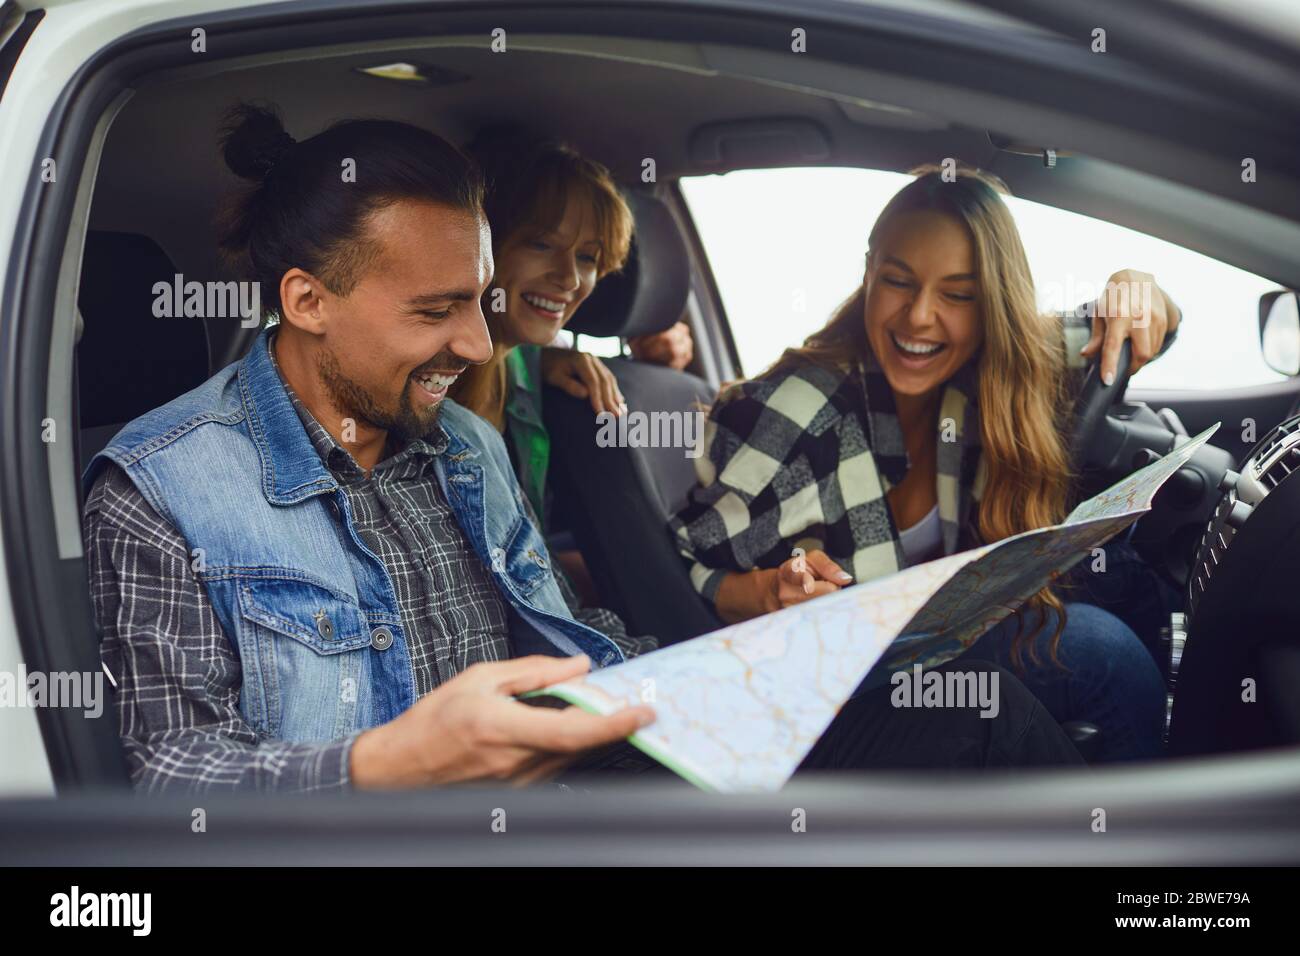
[498, 560]
[537, 558]
[381, 638]
[324, 626]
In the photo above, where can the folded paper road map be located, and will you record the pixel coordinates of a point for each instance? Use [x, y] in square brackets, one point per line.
[739, 709]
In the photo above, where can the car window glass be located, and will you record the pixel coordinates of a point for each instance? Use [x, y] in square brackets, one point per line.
[786, 247]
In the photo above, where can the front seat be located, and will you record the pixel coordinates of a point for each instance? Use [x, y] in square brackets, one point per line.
[128, 360]
[617, 501]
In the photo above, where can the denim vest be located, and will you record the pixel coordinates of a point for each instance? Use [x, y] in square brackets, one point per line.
[307, 607]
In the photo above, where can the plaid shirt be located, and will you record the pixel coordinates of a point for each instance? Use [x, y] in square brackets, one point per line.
[804, 458]
[176, 673]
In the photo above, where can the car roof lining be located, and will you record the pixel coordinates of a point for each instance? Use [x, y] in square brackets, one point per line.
[646, 97]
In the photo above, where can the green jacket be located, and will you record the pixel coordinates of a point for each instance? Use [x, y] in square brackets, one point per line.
[525, 433]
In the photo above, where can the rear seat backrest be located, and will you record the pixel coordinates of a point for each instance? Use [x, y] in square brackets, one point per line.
[128, 360]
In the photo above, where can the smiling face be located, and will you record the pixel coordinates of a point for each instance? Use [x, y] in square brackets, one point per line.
[921, 306]
[386, 353]
[547, 275]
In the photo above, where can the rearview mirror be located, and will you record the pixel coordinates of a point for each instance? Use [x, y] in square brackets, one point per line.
[1279, 331]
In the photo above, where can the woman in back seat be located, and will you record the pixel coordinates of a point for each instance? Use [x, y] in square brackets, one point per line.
[559, 225]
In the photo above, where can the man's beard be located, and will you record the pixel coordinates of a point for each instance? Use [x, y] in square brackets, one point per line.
[354, 401]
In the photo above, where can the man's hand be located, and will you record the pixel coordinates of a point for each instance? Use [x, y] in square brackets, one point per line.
[1132, 307]
[804, 577]
[582, 376]
[470, 728]
[673, 347]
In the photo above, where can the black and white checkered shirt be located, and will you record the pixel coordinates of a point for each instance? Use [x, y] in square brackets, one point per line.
[804, 458]
[177, 676]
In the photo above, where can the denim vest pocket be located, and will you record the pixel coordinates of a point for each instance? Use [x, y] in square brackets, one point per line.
[311, 644]
[526, 559]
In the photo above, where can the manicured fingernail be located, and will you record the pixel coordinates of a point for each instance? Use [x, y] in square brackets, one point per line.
[807, 587]
[1109, 378]
[844, 576]
[645, 720]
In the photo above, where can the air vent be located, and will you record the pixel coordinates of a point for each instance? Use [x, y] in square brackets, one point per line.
[1272, 461]
[1281, 468]
[1269, 464]
[1215, 539]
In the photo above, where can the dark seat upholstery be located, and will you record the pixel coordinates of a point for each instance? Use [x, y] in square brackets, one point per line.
[617, 501]
[128, 360]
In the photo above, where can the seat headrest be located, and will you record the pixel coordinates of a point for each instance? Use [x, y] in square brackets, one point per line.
[129, 360]
[649, 294]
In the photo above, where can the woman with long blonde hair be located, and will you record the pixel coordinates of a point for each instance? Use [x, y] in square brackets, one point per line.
[928, 416]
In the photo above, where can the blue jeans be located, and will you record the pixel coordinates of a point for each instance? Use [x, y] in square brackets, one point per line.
[1107, 677]
[1129, 588]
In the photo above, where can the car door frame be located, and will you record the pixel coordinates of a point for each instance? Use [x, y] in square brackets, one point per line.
[41, 585]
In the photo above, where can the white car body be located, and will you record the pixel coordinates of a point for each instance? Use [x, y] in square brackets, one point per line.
[69, 34]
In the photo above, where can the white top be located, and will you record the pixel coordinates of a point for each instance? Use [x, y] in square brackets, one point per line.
[924, 540]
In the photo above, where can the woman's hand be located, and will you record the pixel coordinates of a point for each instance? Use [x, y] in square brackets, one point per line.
[1132, 307]
[744, 595]
[672, 347]
[805, 576]
[582, 376]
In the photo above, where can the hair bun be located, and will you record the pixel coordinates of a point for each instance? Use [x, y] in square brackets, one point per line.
[253, 139]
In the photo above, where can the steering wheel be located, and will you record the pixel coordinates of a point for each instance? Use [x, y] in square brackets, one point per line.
[1093, 430]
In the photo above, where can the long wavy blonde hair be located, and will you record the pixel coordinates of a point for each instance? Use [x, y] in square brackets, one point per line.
[1023, 408]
